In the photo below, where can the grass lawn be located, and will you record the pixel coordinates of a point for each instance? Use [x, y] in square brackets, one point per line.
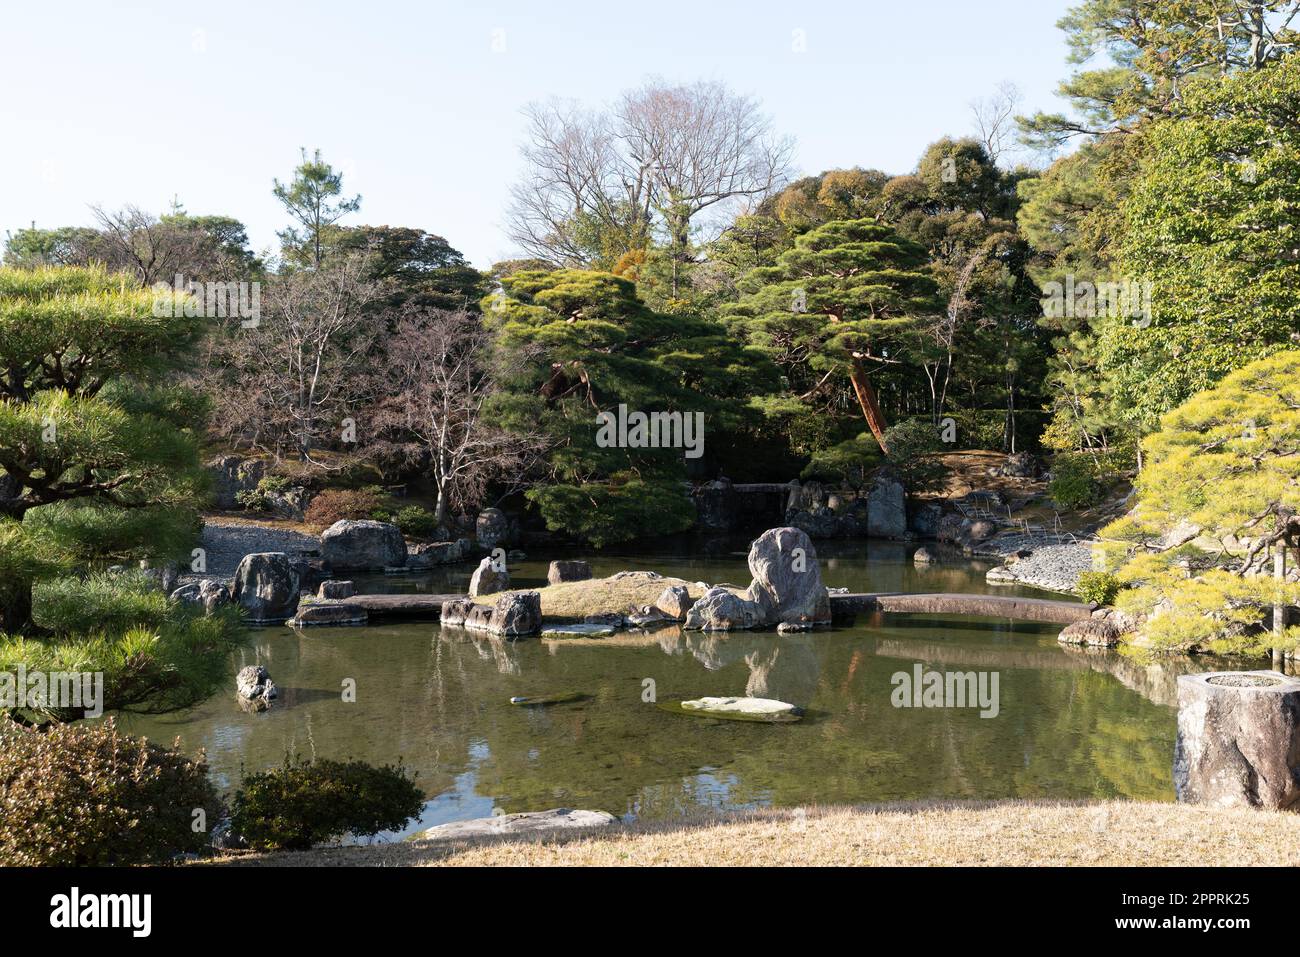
[963, 834]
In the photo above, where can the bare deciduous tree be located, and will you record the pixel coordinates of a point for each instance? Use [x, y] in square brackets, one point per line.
[438, 381]
[995, 120]
[671, 157]
[289, 381]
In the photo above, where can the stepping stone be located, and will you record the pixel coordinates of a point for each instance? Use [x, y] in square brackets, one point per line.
[737, 709]
[526, 823]
[588, 630]
[561, 697]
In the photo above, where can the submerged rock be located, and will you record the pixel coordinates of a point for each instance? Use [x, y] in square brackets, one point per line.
[736, 709]
[577, 631]
[559, 697]
[526, 823]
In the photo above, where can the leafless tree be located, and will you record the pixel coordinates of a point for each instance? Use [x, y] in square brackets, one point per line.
[157, 249]
[439, 378]
[288, 382]
[676, 158]
[995, 120]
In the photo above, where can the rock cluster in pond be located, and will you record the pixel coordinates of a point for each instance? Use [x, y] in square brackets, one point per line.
[363, 545]
[512, 615]
[787, 588]
[1095, 632]
[528, 822]
[266, 587]
[568, 571]
[207, 592]
[880, 511]
[1238, 740]
[489, 578]
[254, 688]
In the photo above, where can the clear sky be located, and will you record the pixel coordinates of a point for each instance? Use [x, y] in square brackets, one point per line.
[112, 103]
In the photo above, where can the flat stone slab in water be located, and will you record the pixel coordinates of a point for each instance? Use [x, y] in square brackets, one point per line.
[559, 698]
[577, 631]
[529, 822]
[736, 709]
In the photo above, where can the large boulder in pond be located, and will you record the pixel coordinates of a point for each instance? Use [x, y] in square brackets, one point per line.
[266, 587]
[1238, 740]
[787, 578]
[489, 578]
[363, 545]
[568, 571]
[513, 615]
[723, 610]
[887, 505]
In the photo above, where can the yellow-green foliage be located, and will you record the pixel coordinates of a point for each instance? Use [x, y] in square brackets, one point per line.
[1228, 461]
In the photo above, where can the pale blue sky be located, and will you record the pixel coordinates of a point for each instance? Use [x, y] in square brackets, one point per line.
[134, 102]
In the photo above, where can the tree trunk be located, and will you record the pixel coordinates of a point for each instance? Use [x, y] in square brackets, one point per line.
[867, 399]
[440, 510]
[1279, 610]
[16, 608]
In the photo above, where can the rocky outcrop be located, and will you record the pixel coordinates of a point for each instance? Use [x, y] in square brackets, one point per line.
[489, 578]
[364, 545]
[337, 589]
[723, 610]
[1096, 632]
[787, 578]
[1020, 465]
[513, 615]
[254, 688]
[887, 505]
[429, 554]
[568, 571]
[232, 475]
[1238, 740]
[492, 527]
[209, 593]
[675, 601]
[266, 587]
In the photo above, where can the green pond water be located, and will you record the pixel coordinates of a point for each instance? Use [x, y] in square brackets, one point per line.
[1070, 724]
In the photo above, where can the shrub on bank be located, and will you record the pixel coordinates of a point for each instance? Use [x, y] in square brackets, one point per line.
[88, 795]
[301, 804]
[1075, 483]
[337, 504]
[1099, 587]
[416, 522]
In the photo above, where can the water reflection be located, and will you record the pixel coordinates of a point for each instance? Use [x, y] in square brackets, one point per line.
[1072, 724]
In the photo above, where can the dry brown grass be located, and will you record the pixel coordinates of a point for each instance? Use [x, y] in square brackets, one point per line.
[574, 600]
[966, 834]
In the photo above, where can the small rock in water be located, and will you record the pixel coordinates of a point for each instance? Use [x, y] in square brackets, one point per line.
[562, 697]
[738, 708]
[578, 631]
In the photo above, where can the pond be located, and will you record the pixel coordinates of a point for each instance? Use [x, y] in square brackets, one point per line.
[1069, 723]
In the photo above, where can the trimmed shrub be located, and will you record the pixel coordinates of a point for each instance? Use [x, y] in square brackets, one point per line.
[88, 795]
[1074, 482]
[302, 804]
[1099, 587]
[914, 445]
[336, 504]
[259, 499]
[416, 522]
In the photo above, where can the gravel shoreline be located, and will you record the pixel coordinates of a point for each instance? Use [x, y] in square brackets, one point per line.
[1052, 567]
[225, 543]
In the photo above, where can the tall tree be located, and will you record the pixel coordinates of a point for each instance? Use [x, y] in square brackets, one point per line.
[313, 198]
[835, 303]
